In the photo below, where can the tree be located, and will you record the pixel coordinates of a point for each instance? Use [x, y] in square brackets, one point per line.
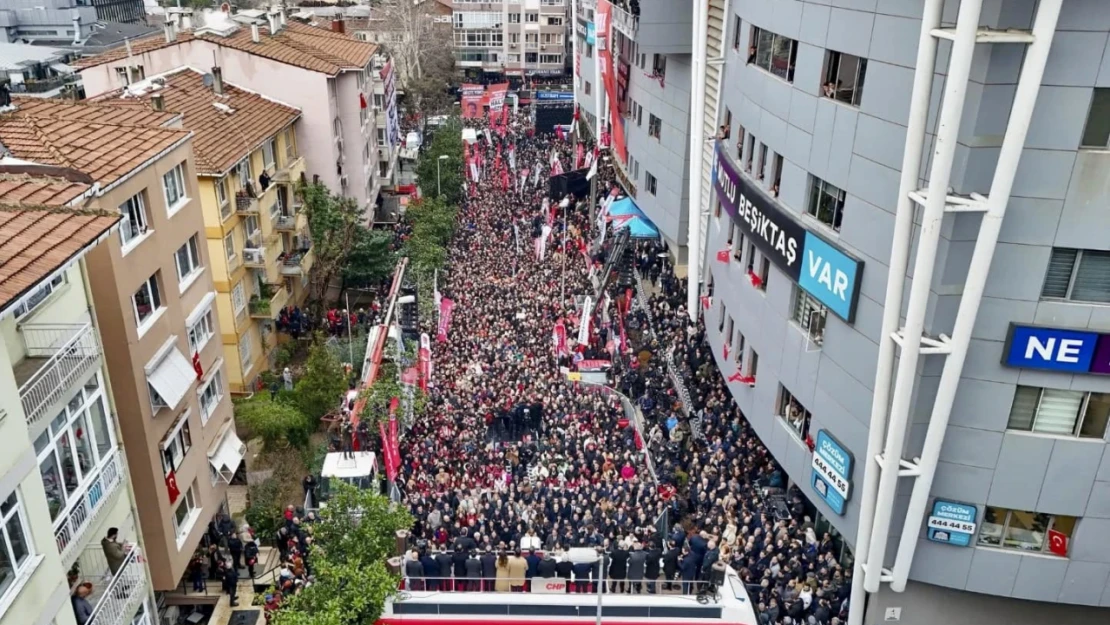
[274, 420]
[449, 172]
[419, 43]
[370, 259]
[321, 387]
[354, 537]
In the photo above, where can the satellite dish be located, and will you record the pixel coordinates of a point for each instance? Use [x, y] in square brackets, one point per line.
[208, 80]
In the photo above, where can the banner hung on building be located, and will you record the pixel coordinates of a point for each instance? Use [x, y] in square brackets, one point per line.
[472, 100]
[392, 118]
[609, 79]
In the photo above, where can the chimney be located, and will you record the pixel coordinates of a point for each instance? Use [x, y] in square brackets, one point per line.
[255, 37]
[271, 21]
[76, 28]
[281, 16]
[337, 25]
[157, 102]
[217, 80]
[170, 30]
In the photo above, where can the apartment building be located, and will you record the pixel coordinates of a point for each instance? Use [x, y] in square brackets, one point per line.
[327, 75]
[153, 298]
[64, 479]
[923, 180]
[649, 60]
[512, 39]
[259, 247]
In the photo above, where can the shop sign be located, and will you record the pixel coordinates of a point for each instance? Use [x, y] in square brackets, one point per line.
[825, 271]
[952, 523]
[1057, 349]
[832, 472]
[565, 96]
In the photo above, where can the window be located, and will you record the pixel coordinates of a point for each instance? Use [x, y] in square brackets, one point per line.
[363, 117]
[250, 226]
[245, 348]
[15, 557]
[721, 319]
[147, 301]
[173, 182]
[809, 314]
[1060, 412]
[826, 203]
[586, 87]
[764, 272]
[750, 150]
[554, 21]
[176, 444]
[738, 353]
[269, 149]
[639, 114]
[655, 126]
[793, 412]
[776, 173]
[514, 18]
[381, 137]
[1096, 134]
[741, 134]
[134, 223]
[761, 164]
[730, 327]
[210, 395]
[200, 331]
[188, 260]
[844, 75]
[243, 170]
[753, 364]
[379, 101]
[229, 246]
[238, 299]
[1079, 275]
[186, 513]
[221, 198]
[589, 51]
[736, 242]
[39, 295]
[650, 182]
[1024, 531]
[72, 448]
[659, 65]
[551, 59]
[736, 32]
[772, 52]
[531, 57]
[532, 18]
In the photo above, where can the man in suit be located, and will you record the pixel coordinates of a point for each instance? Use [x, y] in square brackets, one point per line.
[431, 571]
[651, 568]
[637, 564]
[688, 566]
[711, 556]
[473, 572]
[618, 569]
[445, 566]
[533, 561]
[582, 571]
[670, 565]
[489, 570]
[547, 567]
[458, 564]
[414, 571]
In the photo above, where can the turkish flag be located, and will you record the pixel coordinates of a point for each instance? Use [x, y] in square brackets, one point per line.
[722, 256]
[171, 487]
[197, 367]
[755, 279]
[362, 100]
[1057, 543]
[724, 349]
[705, 302]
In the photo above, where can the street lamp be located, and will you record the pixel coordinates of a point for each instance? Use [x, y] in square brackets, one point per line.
[442, 157]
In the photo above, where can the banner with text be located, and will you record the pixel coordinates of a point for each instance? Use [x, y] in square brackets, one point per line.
[471, 98]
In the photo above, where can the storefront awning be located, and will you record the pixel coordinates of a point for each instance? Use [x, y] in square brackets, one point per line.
[624, 213]
[170, 374]
[227, 454]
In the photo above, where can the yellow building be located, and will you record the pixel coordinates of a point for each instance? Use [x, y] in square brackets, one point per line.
[258, 240]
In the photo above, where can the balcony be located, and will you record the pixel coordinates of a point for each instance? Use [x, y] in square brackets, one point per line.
[291, 172]
[625, 22]
[266, 305]
[286, 222]
[115, 598]
[296, 263]
[71, 528]
[246, 203]
[58, 356]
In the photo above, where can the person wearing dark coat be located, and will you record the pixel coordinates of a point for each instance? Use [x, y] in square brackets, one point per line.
[564, 568]
[618, 570]
[458, 563]
[547, 567]
[235, 546]
[445, 566]
[698, 546]
[637, 563]
[533, 561]
[651, 568]
[670, 565]
[231, 584]
[489, 570]
[473, 572]
[711, 556]
[431, 571]
[414, 571]
[582, 571]
[250, 555]
[688, 566]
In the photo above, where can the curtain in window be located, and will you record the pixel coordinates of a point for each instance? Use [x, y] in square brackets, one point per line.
[1092, 281]
[1058, 411]
[1059, 273]
[1024, 407]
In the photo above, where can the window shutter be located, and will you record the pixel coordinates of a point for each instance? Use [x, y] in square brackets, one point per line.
[1025, 406]
[1058, 412]
[1092, 281]
[1059, 272]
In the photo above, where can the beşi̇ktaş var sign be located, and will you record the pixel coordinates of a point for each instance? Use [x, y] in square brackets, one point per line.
[825, 271]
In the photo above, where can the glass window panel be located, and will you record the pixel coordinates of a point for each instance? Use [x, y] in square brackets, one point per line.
[780, 56]
[42, 442]
[1097, 132]
[52, 484]
[763, 49]
[993, 526]
[69, 467]
[1096, 416]
[1058, 276]
[1065, 525]
[86, 457]
[1024, 408]
[1058, 411]
[17, 540]
[1026, 530]
[101, 428]
[1092, 280]
[7, 571]
[59, 423]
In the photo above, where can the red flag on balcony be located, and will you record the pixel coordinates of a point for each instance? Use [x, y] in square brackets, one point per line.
[362, 100]
[171, 487]
[722, 256]
[705, 302]
[756, 281]
[197, 367]
[1057, 543]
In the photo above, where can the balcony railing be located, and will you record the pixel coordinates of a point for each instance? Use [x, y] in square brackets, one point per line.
[245, 204]
[291, 171]
[266, 308]
[46, 84]
[115, 598]
[294, 263]
[91, 504]
[286, 222]
[625, 22]
[62, 355]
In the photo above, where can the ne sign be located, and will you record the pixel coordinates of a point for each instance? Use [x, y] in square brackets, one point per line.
[1057, 349]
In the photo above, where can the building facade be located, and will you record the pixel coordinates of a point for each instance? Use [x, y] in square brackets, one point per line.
[515, 38]
[65, 478]
[327, 75]
[807, 187]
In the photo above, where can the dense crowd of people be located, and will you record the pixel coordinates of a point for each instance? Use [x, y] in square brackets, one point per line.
[514, 469]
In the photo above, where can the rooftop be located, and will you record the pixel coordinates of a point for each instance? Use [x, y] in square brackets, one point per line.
[225, 127]
[295, 44]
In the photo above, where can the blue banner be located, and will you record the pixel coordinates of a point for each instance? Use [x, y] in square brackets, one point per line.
[591, 33]
[1034, 347]
[952, 523]
[832, 472]
[566, 96]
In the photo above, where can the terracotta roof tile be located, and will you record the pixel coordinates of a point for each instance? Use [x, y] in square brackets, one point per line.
[296, 44]
[25, 189]
[136, 114]
[220, 139]
[36, 242]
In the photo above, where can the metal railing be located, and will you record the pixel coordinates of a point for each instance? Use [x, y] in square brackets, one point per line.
[72, 350]
[77, 521]
[45, 84]
[124, 592]
[286, 222]
[588, 585]
[625, 21]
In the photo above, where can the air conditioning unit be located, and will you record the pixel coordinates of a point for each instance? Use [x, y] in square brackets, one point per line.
[252, 256]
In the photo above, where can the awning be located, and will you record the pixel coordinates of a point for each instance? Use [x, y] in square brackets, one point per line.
[171, 375]
[624, 213]
[227, 455]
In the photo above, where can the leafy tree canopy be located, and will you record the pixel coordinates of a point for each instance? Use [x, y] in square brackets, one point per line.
[322, 386]
[274, 420]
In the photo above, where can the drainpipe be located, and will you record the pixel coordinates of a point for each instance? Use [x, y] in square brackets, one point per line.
[697, 159]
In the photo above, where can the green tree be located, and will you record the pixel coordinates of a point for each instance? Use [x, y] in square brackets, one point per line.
[321, 387]
[369, 260]
[446, 142]
[275, 421]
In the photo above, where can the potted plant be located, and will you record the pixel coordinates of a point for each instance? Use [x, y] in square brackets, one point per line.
[74, 574]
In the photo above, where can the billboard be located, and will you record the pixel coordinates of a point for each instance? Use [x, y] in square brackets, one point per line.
[1057, 349]
[471, 99]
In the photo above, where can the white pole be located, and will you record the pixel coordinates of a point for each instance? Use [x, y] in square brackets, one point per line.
[574, 73]
[896, 277]
[959, 70]
[599, 86]
[350, 341]
[697, 159]
[563, 279]
[600, 587]
[1025, 98]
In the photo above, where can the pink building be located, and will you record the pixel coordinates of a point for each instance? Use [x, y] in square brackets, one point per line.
[327, 74]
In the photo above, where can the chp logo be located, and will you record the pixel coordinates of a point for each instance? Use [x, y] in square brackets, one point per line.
[549, 586]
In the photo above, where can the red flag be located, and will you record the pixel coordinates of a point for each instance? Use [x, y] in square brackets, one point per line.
[705, 301]
[559, 133]
[724, 349]
[756, 281]
[387, 460]
[197, 367]
[722, 256]
[171, 487]
[504, 115]
[394, 445]
[1057, 543]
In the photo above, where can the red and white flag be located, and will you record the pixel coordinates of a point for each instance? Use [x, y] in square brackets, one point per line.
[425, 358]
[559, 339]
[446, 305]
